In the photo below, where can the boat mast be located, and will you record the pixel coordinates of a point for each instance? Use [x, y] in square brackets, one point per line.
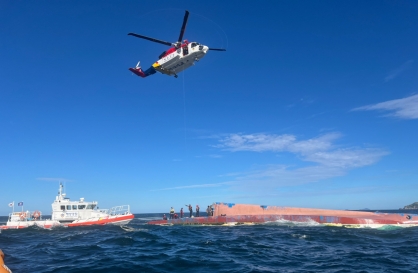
[60, 194]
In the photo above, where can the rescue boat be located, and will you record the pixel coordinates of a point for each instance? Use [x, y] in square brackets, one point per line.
[70, 214]
[242, 214]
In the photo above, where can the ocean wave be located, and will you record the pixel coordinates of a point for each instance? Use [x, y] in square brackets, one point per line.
[280, 246]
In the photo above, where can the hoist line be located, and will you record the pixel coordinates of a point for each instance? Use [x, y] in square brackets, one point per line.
[184, 115]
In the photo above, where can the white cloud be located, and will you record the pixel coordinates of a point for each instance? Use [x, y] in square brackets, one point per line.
[396, 72]
[275, 143]
[325, 160]
[406, 108]
[329, 161]
[347, 158]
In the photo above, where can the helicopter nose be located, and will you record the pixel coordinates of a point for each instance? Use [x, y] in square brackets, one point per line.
[203, 48]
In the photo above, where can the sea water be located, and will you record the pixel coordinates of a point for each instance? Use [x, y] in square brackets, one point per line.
[272, 247]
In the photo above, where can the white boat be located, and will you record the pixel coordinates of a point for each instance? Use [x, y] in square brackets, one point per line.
[70, 213]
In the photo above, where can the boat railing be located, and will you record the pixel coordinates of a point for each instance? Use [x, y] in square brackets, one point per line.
[22, 216]
[119, 210]
[105, 211]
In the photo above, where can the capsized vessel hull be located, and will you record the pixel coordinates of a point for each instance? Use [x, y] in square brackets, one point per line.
[235, 214]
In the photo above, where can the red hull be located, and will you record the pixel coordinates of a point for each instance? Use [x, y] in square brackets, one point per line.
[50, 224]
[242, 219]
[103, 221]
[225, 213]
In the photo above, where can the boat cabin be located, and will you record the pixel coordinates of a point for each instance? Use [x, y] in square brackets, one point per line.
[65, 210]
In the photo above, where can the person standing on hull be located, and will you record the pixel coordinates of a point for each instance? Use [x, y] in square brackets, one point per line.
[190, 210]
[208, 211]
[181, 213]
[171, 213]
[197, 210]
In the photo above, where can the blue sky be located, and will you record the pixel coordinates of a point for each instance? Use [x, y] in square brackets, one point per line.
[314, 104]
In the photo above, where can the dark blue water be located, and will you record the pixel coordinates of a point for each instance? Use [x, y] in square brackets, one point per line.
[274, 247]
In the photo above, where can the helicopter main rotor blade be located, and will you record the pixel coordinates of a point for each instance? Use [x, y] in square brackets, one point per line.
[183, 27]
[217, 49]
[150, 39]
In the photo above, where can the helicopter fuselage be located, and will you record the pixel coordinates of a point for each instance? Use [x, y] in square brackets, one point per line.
[175, 60]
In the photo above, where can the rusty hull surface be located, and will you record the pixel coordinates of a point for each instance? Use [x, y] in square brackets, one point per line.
[236, 214]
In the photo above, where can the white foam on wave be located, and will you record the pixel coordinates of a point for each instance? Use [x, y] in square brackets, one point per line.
[131, 229]
[284, 222]
[300, 236]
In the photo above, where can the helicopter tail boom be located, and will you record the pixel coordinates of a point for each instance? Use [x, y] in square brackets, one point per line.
[138, 71]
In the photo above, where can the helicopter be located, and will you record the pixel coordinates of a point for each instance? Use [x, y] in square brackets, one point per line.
[180, 56]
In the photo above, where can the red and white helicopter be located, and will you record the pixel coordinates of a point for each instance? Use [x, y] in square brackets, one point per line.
[175, 59]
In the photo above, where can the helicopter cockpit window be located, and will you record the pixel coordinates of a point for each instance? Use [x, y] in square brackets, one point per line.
[194, 44]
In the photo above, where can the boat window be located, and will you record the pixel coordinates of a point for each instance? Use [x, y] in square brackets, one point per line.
[62, 207]
[91, 206]
[81, 206]
[74, 207]
[68, 207]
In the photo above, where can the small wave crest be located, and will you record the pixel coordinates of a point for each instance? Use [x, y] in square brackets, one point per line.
[132, 229]
[283, 222]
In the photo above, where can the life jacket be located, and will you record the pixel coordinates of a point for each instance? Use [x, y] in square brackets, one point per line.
[3, 267]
